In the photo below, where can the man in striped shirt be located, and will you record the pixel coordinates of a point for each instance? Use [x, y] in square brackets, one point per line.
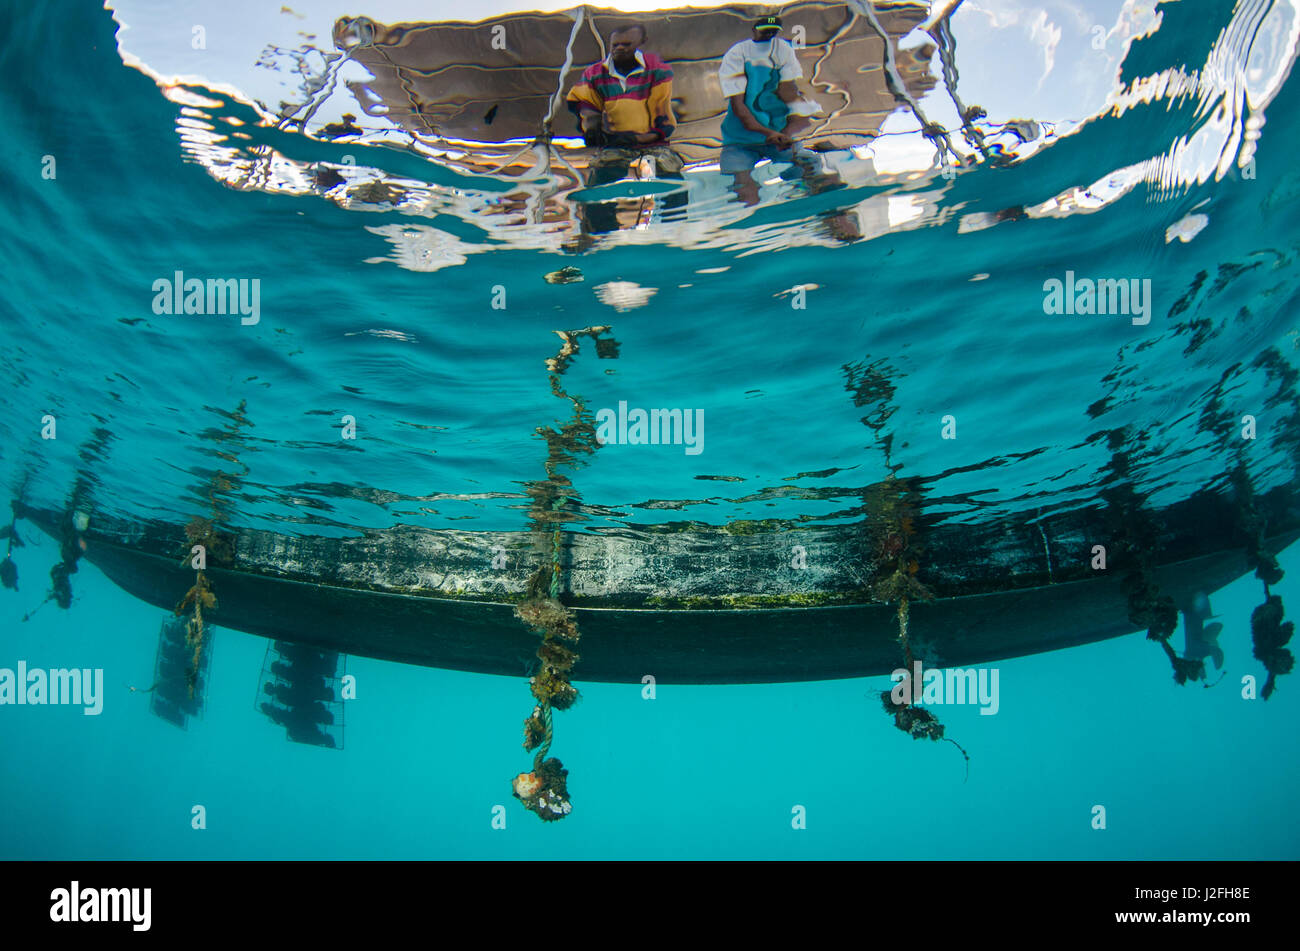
[624, 107]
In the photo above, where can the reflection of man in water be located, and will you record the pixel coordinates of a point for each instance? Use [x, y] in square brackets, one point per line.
[624, 105]
[757, 77]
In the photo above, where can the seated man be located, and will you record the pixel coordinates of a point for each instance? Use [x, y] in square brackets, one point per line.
[624, 106]
[757, 77]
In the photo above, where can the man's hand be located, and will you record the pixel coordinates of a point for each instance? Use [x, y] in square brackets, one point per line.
[592, 133]
[625, 139]
[771, 136]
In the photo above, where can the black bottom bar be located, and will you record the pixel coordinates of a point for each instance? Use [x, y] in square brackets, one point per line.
[911, 900]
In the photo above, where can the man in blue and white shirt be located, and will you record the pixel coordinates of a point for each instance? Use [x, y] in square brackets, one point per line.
[758, 78]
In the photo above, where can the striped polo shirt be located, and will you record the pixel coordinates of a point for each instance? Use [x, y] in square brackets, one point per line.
[640, 101]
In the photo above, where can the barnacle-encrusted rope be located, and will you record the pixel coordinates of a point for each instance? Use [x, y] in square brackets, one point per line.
[555, 550]
[544, 790]
[904, 615]
[910, 718]
[896, 572]
[1270, 631]
[548, 731]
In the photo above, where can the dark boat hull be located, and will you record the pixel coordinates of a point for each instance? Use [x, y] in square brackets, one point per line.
[675, 646]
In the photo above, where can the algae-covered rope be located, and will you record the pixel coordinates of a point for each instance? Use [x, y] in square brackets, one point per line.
[903, 618]
[548, 732]
[544, 790]
[555, 549]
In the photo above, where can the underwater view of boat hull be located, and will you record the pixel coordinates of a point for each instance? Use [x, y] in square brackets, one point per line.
[993, 619]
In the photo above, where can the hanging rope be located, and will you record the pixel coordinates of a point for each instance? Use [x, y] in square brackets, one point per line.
[555, 551]
[544, 790]
[1270, 631]
[937, 135]
[558, 98]
[548, 731]
[548, 734]
[897, 567]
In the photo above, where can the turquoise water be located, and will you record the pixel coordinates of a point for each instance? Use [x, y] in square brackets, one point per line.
[447, 391]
